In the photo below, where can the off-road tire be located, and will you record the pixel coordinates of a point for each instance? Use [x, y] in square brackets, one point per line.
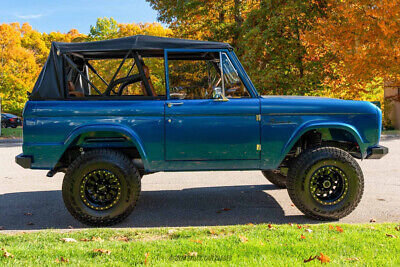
[306, 165]
[275, 177]
[105, 159]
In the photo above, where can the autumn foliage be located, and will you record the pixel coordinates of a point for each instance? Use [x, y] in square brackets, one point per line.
[344, 49]
[23, 52]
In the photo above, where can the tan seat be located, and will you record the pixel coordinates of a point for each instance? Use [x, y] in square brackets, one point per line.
[147, 74]
[72, 92]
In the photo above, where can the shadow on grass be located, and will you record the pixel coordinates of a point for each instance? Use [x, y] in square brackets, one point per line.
[170, 208]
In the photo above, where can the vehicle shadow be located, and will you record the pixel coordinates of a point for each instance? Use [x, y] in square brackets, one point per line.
[208, 206]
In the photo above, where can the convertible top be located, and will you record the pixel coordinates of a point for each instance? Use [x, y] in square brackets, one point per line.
[50, 83]
[137, 42]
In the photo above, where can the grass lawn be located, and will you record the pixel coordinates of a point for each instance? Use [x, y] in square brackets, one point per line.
[11, 132]
[284, 245]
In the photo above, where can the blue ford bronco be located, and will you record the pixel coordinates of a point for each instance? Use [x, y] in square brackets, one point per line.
[107, 113]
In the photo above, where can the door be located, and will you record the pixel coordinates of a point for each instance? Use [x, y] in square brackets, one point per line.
[209, 118]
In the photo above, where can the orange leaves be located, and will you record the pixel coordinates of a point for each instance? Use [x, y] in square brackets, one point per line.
[196, 241]
[146, 258]
[337, 228]
[61, 260]
[322, 258]
[302, 237]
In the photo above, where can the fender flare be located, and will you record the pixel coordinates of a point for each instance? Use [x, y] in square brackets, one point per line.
[300, 131]
[128, 132]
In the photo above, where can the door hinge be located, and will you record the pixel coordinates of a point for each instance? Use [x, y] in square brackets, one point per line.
[258, 147]
[258, 117]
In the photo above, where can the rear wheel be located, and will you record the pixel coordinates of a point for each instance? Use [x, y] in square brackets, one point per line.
[325, 183]
[101, 187]
[276, 177]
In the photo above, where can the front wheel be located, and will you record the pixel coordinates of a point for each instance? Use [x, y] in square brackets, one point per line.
[325, 183]
[101, 187]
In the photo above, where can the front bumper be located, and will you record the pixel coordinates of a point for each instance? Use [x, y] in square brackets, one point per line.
[377, 152]
[24, 161]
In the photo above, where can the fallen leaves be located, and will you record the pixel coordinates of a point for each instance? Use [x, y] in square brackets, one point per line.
[302, 237]
[352, 259]
[337, 228]
[308, 230]
[192, 254]
[7, 254]
[225, 209]
[62, 260]
[146, 258]
[322, 258]
[397, 228]
[372, 220]
[392, 236]
[196, 241]
[270, 226]
[68, 240]
[243, 239]
[102, 251]
[93, 239]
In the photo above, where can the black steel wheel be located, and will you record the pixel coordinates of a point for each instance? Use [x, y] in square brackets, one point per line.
[325, 183]
[101, 187]
[276, 177]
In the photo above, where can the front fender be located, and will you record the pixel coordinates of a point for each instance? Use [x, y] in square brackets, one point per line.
[300, 131]
[131, 135]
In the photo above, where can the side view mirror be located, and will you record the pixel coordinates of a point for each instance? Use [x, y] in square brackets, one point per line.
[218, 95]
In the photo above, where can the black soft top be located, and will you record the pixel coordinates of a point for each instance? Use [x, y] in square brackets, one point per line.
[50, 83]
[110, 48]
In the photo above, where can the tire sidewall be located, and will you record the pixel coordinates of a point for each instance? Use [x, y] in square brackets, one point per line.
[301, 185]
[72, 187]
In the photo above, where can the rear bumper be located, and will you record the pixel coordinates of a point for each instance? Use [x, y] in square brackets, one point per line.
[377, 152]
[24, 161]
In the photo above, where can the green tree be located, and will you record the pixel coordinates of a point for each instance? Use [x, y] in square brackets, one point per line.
[105, 28]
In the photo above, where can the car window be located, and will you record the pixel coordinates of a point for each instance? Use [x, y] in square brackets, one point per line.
[193, 79]
[201, 78]
[233, 85]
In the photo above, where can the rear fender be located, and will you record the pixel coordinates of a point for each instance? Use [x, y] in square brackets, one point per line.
[126, 132]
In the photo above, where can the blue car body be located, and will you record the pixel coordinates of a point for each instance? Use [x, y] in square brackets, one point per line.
[253, 133]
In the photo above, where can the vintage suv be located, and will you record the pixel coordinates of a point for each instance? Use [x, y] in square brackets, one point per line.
[184, 105]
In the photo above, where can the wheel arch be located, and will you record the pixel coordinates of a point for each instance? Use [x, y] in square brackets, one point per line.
[101, 134]
[338, 127]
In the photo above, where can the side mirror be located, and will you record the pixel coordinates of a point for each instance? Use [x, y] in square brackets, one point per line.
[218, 94]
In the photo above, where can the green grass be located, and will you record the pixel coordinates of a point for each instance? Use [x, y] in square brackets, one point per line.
[231, 245]
[11, 132]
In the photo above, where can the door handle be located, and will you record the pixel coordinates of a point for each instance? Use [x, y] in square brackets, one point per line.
[170, 104]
